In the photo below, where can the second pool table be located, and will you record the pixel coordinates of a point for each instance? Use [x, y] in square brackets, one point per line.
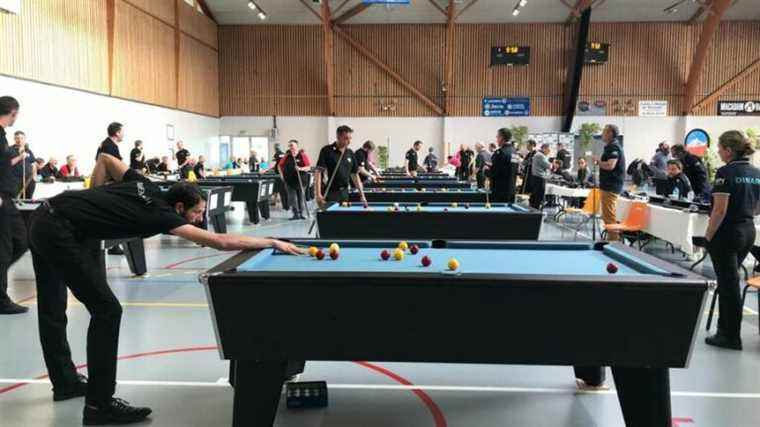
[467, 221]
[413, 195]
[507, 303]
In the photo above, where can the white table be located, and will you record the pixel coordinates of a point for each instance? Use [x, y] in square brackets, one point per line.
[44, 190]
[674, 225]
[561, 191]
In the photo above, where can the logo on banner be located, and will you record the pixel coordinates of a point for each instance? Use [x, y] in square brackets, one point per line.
[739, 108]
[696, 142]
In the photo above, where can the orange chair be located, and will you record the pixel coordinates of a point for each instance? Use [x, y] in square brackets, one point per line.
[633, 225]
[589, 210]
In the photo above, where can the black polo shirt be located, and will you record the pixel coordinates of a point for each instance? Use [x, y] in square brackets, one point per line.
[612, 180]
[136, 159]
[697, 173]
[741, 181]
[7, 181]
[564, 157]
[24, 166]
[132, 208]
[501, 168]
[163, 167]
[328, 161]
[108, 147]
[199, 170]
[182, 156]
[411, 157]
[362, 157]
[681, 182]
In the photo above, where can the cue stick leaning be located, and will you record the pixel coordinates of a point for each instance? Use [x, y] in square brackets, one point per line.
[329, 184]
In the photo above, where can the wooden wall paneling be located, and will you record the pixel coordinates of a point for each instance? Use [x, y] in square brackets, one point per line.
[198, 77]
[197, 25]
[35, 45]
[161, 9]
[144, 57]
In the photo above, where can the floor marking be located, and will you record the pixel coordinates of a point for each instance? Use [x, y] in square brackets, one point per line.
[223, 382]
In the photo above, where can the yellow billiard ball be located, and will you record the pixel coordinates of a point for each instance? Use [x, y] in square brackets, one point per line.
[390, 208]
[453, 205]
[403, 246]
[334, 247]
[344, 204]
[419, 208]
[313, 251]
[398, 254]
[453, 264]
[488, 206]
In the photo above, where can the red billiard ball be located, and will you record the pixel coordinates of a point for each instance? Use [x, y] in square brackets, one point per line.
[385, 255]
[414, 249]
[612, 268]
[334, 254]
[426, 261]
[320, 255]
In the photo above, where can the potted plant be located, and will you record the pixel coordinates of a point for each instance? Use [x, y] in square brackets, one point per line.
[519, 134]
[586, 134]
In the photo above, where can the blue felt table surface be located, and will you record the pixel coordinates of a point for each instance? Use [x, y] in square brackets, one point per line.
[438, 207]
[560, 263]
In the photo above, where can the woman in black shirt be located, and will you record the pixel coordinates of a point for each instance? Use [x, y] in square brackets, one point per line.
[731, 231]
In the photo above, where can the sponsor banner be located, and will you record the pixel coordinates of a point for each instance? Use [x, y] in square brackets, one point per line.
[653, 108]
[739, 108]
[503, 107]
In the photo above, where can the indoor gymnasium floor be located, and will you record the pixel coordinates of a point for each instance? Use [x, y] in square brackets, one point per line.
[169, 362]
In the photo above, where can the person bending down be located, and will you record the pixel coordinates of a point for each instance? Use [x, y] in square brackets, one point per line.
[65, 238]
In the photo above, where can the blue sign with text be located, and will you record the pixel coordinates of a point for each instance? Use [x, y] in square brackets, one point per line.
[503, 107]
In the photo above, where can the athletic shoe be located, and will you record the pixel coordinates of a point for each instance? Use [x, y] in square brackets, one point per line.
[117, 411]
[71, 391]
[719, 340]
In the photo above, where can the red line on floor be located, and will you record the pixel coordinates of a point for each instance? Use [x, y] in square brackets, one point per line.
[678, 421]
[440, 420]
[184, 261]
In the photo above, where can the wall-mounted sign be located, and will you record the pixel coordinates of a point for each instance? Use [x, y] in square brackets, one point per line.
[503, 107]
[588, 108]
[653, 108]
[510, 55]
[739, 108]
[697, 141]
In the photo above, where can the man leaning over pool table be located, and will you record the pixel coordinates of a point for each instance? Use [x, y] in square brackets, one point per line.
[65, 233]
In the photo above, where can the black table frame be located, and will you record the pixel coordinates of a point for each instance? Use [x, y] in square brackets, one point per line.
[412, 183]
[346, 308]
[430, 196]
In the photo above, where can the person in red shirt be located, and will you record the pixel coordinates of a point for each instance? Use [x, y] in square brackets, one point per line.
[294, 167]
[70, 168]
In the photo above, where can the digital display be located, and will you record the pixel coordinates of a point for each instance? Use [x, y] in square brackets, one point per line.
[510, 55]
[596, 53]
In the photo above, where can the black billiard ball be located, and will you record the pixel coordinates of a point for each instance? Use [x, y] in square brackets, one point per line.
[385, 255]
[612, 268]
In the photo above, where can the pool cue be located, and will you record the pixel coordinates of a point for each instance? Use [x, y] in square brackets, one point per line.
[300, 188]
[329, 184]
[488, 190]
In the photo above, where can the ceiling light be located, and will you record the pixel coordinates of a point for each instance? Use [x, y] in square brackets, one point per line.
[262, 16]
[515, 12]
[252, 5]
[523, 3]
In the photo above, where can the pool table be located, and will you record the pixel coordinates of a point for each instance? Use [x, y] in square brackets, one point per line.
[254, 192]
[472, 221]
[413, 195]
[414, 183]
[507, 303]
[419, 177]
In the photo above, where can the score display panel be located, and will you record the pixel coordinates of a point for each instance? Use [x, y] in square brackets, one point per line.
[510, 55]
[596, 53]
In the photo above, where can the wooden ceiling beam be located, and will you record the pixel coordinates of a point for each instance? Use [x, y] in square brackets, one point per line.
[328, 54]
[733, 81]
[350, 13]
[206, 10]
[388, 70]
[437, 6]
[576, 11]
[448, 65]
[698, 14]
[717, 9]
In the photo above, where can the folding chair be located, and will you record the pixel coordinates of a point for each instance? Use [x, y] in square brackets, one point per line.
[588, 211]
[633, 225]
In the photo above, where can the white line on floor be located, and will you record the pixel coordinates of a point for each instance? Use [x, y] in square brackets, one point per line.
[222, 382]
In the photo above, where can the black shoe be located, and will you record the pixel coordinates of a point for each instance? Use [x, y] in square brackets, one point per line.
[116, 250]
[294, 218]
[301, 217]
[71, 391]
[723, 341]
[117, 411]
[12, 308]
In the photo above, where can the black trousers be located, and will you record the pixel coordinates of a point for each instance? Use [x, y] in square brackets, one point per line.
[728, 249]
[296, 197]
[337, 195]
[63, 259]
[538, 190]
[13, 242]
